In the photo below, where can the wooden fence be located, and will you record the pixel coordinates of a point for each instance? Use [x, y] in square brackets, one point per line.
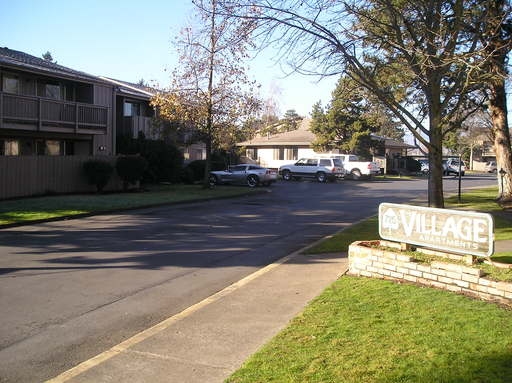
[22, 176]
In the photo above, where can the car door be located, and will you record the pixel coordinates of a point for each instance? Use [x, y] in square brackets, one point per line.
[311, 167]
[238, 174]
[297, 168]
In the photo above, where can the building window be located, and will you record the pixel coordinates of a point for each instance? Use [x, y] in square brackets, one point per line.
[292, 153]
[9, 148]
[288, 154]
[10, 84]
[252, 153]
[52, 90]
[131, 109]
[49, 148]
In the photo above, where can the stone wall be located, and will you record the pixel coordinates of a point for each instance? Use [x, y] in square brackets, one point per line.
[368, 261]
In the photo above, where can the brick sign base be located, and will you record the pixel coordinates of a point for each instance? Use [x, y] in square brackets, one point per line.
[367, 260]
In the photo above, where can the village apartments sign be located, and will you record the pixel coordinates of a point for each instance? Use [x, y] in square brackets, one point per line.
[455, 231]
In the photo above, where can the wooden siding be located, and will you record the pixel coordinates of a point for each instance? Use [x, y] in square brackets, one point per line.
[104, 95]
[40, 111]
[35, 175]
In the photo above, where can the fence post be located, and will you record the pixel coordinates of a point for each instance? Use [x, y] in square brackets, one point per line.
[1, 109]
[76, 117]
[40, 114]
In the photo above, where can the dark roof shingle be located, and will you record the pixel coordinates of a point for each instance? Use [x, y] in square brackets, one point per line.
[21, 60]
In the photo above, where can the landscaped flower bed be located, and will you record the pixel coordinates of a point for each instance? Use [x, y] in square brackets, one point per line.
[378, 259]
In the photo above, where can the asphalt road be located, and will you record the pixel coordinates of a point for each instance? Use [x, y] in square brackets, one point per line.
[71, 289]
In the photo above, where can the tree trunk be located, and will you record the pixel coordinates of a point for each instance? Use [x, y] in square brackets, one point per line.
[502, 146]
[435, 156]
[208, 162]
[498, 48]
[433, 93]
[209, 117]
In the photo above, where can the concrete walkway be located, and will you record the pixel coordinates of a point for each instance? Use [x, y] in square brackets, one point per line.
[210, 340]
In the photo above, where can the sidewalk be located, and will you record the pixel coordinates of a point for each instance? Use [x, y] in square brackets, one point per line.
[210, 340]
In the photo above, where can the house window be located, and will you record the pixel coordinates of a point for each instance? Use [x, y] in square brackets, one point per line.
[49, 147]
[131, 109]
[9, 148]
[288, 154]
[292, 153]
[252, 153]
[52, 90]
[10, 84]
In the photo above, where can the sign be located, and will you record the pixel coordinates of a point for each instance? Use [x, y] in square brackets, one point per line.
[453, 231]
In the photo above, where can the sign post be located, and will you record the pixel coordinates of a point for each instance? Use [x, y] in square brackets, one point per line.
[455, 231]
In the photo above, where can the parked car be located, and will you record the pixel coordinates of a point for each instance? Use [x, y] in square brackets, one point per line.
[321, 169]
[490, 167]
[425, 166]
[245, 174]
[355, 168]
[451, 166]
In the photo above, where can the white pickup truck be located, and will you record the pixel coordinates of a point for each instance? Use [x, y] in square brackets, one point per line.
[355, 169]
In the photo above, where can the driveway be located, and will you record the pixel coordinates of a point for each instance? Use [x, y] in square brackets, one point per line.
[74, 288]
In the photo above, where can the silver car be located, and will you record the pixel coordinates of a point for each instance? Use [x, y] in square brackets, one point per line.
[245, 174]
[490, 167]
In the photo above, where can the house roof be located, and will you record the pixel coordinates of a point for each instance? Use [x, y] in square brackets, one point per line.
[302, 136]
[390, 143]
[130, 89]
[21, 60]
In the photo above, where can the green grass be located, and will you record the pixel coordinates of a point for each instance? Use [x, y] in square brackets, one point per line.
[365, 230]
[356, 331]
[29, 209]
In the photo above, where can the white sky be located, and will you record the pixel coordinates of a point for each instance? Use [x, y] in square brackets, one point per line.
[130, 40]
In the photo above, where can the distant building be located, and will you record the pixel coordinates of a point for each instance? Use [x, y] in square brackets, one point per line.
[282, 148]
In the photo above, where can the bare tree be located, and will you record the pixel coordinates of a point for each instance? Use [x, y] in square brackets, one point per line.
[210, 90]
[420, 58]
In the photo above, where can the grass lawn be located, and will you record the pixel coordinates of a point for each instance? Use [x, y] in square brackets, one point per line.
[29, 209]
[364, 330]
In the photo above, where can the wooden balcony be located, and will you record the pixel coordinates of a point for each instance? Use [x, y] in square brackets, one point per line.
[42, 112]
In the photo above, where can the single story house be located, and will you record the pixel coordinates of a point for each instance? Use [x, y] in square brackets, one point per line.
[283, 148]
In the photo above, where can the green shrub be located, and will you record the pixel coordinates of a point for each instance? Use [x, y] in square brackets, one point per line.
[194, 171]
[131, 169]
[165, 161]
[98, 173]
[412, 165]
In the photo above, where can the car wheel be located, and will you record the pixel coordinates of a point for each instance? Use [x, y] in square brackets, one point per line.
[356, 174]
[212, 180]
[287, 175]
[320, 177]
[252, 181]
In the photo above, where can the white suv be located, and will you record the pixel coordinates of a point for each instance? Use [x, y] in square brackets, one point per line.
[452, 165]
[321, 169]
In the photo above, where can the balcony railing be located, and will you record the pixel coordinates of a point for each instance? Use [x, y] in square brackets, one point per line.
[45, 112]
